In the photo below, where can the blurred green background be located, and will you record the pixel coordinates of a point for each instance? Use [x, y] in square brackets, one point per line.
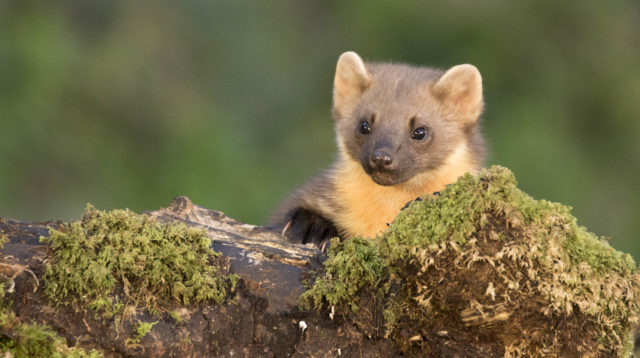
[129, 103]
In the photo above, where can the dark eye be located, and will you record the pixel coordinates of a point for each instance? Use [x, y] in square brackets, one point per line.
[419, 133]
[365, 128]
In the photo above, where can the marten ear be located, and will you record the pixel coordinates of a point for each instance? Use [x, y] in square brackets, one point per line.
[352, 79]
[460, 92]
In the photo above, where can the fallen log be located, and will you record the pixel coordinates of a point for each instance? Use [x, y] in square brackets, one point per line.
[262, 319]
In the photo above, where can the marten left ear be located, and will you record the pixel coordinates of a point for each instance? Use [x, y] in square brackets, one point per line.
[460, 91]
[351, 80]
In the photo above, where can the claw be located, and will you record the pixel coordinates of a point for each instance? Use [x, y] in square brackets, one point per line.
[284, 230]
[323, 245]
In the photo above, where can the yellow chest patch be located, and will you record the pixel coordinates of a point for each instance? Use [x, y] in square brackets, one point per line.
[367, 207]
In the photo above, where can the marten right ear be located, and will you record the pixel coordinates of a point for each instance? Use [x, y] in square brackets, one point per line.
[460, 91]
[352, 79]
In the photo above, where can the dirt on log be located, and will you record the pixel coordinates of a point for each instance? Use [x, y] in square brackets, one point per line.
[262, 318]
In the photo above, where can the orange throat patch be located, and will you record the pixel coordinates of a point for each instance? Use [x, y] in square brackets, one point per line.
[365, 208]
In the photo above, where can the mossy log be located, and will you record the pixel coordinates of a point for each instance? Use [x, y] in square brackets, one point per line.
[425, 288]
[261, 318]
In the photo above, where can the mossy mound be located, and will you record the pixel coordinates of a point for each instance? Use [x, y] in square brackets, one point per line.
[485, 262]
[110, 260]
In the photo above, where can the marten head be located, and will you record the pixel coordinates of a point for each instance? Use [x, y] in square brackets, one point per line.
[400, 121]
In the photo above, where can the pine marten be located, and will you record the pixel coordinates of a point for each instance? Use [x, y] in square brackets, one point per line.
[402, 132]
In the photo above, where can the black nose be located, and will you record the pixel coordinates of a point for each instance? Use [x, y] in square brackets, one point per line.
[381, 160]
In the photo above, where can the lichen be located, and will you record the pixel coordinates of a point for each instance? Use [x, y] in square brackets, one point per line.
[486, 259]
[150, 263]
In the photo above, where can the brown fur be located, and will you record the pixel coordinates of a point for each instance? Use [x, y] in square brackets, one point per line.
[359, 195]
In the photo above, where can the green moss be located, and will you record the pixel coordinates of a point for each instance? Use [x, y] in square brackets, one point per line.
[485, 257]
[25, 340]
[176, 316]
[583, 246]
[459, 211]
[105, 305]
[110, 259]
[141, 330]
[353, 265]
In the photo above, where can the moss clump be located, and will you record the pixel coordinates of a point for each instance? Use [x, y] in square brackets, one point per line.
[354, 265]
[141, 330]
[485, 260]
[108, 260]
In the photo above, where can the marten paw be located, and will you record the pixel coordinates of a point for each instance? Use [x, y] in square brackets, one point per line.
[305, 226]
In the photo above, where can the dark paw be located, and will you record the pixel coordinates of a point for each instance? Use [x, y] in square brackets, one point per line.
[305, 226]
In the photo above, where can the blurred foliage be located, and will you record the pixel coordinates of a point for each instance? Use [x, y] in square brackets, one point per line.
[129, 103]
